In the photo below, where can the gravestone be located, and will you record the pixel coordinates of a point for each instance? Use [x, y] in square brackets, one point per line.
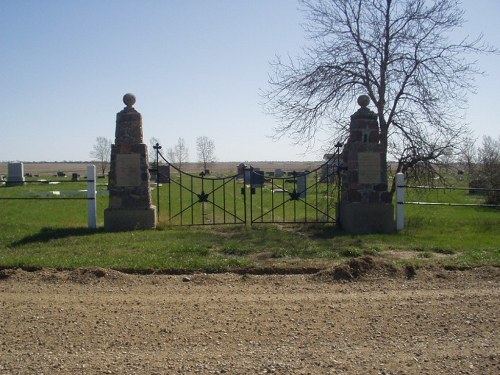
[241, 170]
[130, 204]
[257, 178]
[247, 176]
[301, 183]
[365, 204]
[164, 174]
[15, 174]
[278, 173]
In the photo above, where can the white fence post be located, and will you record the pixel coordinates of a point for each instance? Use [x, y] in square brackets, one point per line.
[92, 196]
[400, 197]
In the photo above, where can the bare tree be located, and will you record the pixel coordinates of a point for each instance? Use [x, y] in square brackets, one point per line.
[152, 151]
[399, 54]
[206, 150]
[101, 152]
[489, 168]
[179, 154]
[468, 157]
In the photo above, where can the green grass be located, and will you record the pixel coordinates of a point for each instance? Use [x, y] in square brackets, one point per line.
[43, 233]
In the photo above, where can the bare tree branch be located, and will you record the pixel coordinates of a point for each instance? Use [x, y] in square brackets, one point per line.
[399, 53]
[206, 150]
[101, 152]
[179, 154]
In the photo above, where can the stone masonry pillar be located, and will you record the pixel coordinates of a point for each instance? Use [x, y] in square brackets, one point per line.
[365, 204]
[130, 201]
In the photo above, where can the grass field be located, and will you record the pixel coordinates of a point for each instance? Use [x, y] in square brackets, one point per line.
[53, 233]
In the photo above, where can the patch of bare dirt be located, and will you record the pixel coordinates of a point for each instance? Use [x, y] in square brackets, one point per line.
[359, 268]
[363, 317]
[90, 275]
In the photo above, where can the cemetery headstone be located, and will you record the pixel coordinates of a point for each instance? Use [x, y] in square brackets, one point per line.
[247, 173]
[301, 183]
[241, 169]
[365, 204]
[130, 204]
[278, 173]
[164, 174]
[257, 178]
[15, 173]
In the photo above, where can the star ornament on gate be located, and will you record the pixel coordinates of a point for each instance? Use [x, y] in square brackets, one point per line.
[294, 195]
[202, 197]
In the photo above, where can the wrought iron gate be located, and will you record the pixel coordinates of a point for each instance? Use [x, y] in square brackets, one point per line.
[249, 197]
[296, 197]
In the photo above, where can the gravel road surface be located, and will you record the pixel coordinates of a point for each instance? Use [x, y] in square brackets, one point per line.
[362, 318]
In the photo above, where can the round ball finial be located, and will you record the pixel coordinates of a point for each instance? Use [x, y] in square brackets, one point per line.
[363, 100]
[129, 99]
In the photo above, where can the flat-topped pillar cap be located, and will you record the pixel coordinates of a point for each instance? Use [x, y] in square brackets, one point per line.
[129, 99]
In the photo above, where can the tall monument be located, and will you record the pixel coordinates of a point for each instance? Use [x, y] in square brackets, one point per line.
[130, 205]
[365, 203]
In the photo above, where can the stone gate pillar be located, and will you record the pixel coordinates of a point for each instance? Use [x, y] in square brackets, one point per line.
[129, 191]
[365, 204]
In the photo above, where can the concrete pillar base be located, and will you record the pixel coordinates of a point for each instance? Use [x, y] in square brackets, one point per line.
[359, 218]
[129, 219]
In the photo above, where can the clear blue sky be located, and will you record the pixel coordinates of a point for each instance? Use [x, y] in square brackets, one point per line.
[195, 66]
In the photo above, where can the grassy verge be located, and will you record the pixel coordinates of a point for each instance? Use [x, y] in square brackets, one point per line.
[218, 249]
[52, 234]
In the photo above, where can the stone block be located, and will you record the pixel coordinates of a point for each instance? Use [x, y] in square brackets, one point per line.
[386, 197]
[373, 197]
[354, 195]
[373, 137]
[380, 187]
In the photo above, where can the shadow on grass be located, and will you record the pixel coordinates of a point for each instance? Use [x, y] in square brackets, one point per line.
[47, 234]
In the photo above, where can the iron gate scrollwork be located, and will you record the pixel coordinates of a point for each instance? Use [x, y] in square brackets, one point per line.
[250, 197]
[297, 197]
[198, 199]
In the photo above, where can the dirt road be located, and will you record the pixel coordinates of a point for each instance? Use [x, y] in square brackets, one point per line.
[97, 321]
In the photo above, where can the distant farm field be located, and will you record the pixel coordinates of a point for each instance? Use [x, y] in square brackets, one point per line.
[48, 169]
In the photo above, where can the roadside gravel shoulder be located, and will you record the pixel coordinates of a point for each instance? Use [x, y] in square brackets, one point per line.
[364, 318]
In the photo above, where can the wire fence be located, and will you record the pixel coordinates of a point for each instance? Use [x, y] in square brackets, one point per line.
[401, 201]
[90, 192]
